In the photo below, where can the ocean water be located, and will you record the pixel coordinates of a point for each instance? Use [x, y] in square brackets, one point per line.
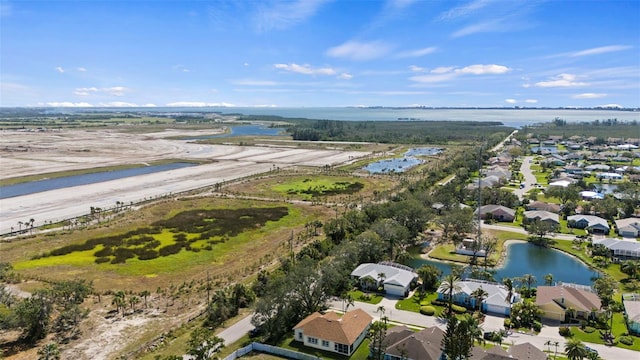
[509, 117]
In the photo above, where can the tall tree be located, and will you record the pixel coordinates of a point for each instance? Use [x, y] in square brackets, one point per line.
[530, 280]
[203, 344]
[479, 295]
[451, 286]
[458, 339]
[429, 276]
[548, 279]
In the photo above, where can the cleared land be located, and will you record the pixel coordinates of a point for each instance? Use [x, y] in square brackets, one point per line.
[27, 153]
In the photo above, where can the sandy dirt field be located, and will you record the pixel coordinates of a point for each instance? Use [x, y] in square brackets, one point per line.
[27, 153]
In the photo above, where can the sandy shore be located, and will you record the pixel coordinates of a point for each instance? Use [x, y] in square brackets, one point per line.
[28, 153]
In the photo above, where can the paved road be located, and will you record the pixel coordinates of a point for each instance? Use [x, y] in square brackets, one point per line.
[236, 331]
[529, 178]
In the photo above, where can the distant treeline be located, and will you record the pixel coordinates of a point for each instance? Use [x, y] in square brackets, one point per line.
[399, 132]
[602, 129]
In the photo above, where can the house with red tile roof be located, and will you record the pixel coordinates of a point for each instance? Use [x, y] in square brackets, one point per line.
[332, 332]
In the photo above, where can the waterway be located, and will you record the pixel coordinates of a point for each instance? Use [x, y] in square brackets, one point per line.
[33, 187]
[524, 258]
[509, 117]
[244, 130]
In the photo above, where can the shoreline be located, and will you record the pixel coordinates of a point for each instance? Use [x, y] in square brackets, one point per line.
[499, 264]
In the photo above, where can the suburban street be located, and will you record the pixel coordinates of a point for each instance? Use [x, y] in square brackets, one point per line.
[529, 178]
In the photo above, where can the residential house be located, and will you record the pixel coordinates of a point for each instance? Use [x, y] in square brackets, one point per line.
[621, 249]
[470, 247]
[593, 224]
[422, 345]
[609, 176]
[544, 206]
[572, 169]
[498, 212]
[497, 300]
[567, 302]
[542, 216]
[629, 227]
[597, 167]
[331, 332]
[404, 344]
[395, 278]
[591, 195]
[631, 304]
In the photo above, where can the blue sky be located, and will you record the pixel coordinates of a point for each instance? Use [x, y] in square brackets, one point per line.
[310, 53]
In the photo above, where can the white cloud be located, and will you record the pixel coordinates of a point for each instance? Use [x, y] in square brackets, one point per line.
[60, 69]
[415, 68]
[441, 74]
[68, 104]
[562, 80]
[113, 91]
[117, 104]
[511, 101]
[345, 76]
[601, 50]
[416, 53]
[531, 101]
[305, 69]
[442, 70]
[359, 51]
[484, 69]
[286, 14]
[81, 69]
[589, 96]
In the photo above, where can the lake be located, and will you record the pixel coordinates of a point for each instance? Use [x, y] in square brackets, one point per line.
[404, 163]
[33, 187]
[524, 258]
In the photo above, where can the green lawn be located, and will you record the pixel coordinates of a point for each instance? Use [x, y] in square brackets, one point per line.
[413, 303]
[368, 297]
[619, 328]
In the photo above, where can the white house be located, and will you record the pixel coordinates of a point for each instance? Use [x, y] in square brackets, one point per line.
[497, 300]
[330, 332]
[609, 176]
[395, 278]
[593, 224]
[622, 249]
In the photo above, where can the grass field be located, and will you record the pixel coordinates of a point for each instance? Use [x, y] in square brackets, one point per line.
[238, 255]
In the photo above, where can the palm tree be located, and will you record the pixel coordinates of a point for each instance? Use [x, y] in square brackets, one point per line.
[630, 267]
[451, 286]
[144, 294]
[429, 275]
[49, 352]
[473, 327]
[479, 295]
[509, 284]
[529, 280]
[118, 301]
[381, 277]
[548, 279]
[575, 349]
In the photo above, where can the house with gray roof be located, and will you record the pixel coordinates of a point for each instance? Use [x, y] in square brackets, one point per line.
[546, 217]
[498, 212]
[621, 249]
[629, 227]
[396, 279]
[593, 224]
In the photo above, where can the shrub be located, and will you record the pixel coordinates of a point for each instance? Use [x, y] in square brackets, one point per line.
[438, 302]
[537, 326]
[101, 260]
[427, 310]
[507, 323]
[627, 340]
[589, 329]
[564, 331]
[458, 309]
